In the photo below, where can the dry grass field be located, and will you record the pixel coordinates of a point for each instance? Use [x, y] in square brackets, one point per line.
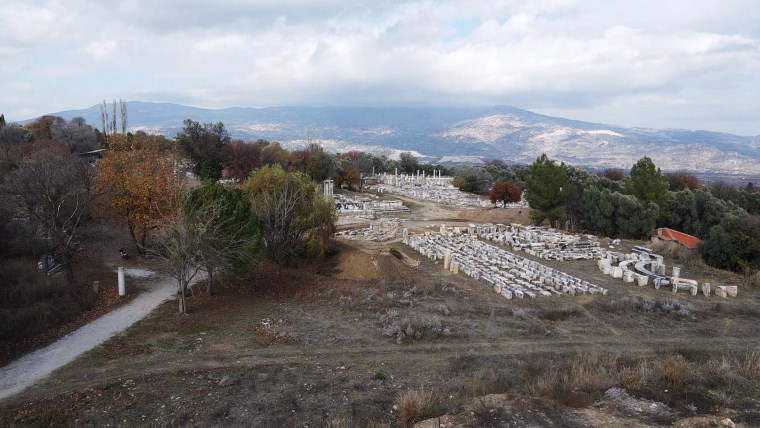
[364, 339]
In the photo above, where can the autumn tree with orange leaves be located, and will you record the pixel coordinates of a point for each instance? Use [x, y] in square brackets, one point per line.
[136, 183]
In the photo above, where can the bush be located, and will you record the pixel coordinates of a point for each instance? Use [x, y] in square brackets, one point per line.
[419, 404]
[519, 314]
[673, 372]
[413, 327]
[487, 381]
[31, 303]
[441, 309]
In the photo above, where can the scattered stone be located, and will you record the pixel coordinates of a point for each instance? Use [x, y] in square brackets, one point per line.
[381, 230]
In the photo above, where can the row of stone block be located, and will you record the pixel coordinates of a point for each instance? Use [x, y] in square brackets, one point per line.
[507, 273]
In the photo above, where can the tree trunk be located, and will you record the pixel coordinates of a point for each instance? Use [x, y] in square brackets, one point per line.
[181, 297]
[209, 282]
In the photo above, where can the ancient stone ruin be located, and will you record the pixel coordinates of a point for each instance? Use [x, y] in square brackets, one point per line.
[383, 229]
[506, 273]
[642, 265]
[434, 188]
[366, 207]
[549, 244]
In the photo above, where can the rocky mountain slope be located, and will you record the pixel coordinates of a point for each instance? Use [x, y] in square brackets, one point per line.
[497, 132]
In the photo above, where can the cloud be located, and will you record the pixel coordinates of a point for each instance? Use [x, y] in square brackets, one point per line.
[594, 60]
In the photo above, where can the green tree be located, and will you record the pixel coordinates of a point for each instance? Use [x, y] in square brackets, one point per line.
[713, 211]
[319, 165]
[633, 218]
[750, 200]
[473, 180]
[546, 190]
[235, 244]
[408, 163]
[205, 145]
[649, 184]
[683, 214]
[617, 215]
[723, 190]
[720, 249]
[748, 237]
[296, 218]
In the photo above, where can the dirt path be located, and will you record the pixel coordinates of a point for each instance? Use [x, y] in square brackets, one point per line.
[423, 353]
[31, 368]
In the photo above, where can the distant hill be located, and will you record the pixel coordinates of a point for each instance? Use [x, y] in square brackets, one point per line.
[500, 132]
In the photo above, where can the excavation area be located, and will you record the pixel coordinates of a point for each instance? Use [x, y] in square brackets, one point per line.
[383, 334]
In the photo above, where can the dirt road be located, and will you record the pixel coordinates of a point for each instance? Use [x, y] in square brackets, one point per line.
[33, 367]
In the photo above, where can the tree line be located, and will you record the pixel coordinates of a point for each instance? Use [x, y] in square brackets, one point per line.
[170, 196]
[619, 205]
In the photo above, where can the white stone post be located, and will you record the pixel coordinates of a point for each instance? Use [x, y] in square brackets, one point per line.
[328, 189]
[122, 283]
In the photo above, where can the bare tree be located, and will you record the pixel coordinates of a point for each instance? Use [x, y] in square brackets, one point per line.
[113, 117]
[53, 190]
[123, 105]
[75, 134]
[179, 250]
[204, 241]
[105, 120]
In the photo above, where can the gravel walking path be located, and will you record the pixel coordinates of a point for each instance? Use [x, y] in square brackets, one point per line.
[35, 366]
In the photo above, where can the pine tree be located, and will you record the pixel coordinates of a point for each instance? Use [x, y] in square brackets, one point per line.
[546, 190]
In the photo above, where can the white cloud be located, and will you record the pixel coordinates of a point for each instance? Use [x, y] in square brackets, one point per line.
[99, 49]
[595, 60]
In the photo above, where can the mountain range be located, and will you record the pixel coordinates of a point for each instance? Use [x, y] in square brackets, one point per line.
[459, 135]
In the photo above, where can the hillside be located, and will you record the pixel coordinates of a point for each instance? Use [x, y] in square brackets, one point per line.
[496, 132]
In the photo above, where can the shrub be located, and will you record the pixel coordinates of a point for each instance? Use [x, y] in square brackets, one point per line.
[672, 371]
[413, 327]
[419, 404]
[487, 381]
[441, 309]
[754, 280]
[31, 302]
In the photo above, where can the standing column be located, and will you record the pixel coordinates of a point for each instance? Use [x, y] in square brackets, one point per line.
[122, 283]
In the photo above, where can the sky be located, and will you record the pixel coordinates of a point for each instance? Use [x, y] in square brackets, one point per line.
[656, 64]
